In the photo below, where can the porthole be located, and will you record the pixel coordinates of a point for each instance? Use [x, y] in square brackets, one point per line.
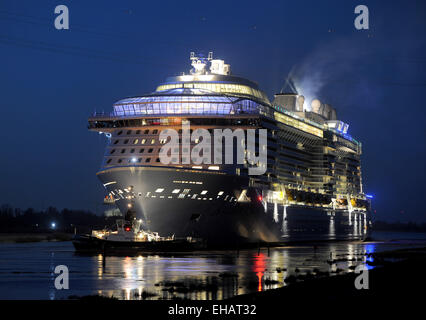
[109, 160]
[119, 132]
[116, 141]
[112, 151]
[141, 150]
[150, 150]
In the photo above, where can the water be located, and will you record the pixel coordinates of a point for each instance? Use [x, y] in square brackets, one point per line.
[26, 269]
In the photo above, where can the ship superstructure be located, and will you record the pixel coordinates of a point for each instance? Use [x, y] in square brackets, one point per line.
[311, 187]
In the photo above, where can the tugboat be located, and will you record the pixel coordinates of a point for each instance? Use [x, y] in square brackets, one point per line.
[128, 236]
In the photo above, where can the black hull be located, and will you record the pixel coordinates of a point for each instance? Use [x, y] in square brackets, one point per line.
[216, 216]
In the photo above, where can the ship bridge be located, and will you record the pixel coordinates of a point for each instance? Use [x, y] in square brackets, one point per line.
[209, 89]
[181, 101]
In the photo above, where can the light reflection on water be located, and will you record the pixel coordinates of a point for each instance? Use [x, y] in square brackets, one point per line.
[26, 270]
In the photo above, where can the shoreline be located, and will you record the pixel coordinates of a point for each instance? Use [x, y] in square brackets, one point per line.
[34, 237]
[392, 279]
[27, 237]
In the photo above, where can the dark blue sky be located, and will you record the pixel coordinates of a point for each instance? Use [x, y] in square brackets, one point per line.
[51, 81]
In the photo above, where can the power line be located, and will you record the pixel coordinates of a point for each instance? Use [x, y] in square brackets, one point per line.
[73, 50]
[47, 22]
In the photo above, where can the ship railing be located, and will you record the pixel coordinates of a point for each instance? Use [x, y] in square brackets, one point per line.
[137, 114]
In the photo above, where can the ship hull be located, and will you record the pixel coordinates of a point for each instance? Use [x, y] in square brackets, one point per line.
[204, 205]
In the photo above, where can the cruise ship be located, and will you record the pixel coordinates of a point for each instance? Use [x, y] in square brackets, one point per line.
[310, 188]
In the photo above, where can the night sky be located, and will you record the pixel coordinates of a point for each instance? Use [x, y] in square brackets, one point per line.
[52, 80]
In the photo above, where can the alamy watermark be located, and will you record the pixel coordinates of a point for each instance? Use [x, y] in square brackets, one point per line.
[178, 150]
[361, 281]
[62, 278]
[62, 20]
[362, 19]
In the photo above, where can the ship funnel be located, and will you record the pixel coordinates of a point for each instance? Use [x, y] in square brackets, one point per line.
[316, 105]
[300, 102]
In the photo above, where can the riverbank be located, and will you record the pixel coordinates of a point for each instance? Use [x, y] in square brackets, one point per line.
[34, 237]
[397, 280]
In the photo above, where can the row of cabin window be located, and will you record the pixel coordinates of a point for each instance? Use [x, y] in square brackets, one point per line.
[150, 150]
[161, 141]
[139, 160]
[143, 141]
[155, 131]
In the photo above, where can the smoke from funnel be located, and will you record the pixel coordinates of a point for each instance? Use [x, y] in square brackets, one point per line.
[333, 62]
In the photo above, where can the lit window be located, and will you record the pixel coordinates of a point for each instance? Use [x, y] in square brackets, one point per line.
[152, 141]
[159, 190]
[204, 192]
[143, 141]
[213, 167]
[176, 191]
[163, 141]
[220, 193]
[136, 141]
[197, 167]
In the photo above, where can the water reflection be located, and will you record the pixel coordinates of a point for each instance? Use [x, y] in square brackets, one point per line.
[27, 270]
[219, 275]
